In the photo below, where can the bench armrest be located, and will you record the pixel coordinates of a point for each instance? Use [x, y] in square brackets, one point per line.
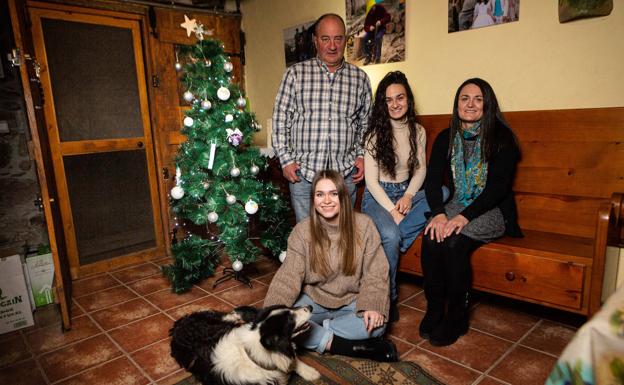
[608, 233]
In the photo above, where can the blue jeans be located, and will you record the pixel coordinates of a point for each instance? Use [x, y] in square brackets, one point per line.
[300, 193]
[324, 323]
[397, 238]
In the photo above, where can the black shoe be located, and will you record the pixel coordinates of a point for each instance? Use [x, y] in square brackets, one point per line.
[394, 311]
[448, 332]
[376, 349]
[455, 323]
[432, 319]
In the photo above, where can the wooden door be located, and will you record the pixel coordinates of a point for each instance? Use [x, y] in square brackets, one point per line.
[43, 158]
[167, 95]
[93, 78]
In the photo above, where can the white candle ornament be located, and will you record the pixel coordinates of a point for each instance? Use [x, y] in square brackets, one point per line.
[213, 149]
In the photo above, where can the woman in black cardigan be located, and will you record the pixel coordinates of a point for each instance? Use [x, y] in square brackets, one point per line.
[478, 156]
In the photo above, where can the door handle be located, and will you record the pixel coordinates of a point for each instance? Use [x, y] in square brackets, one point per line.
[140, 144]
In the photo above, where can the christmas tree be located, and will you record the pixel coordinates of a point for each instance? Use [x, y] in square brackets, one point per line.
[218, 189]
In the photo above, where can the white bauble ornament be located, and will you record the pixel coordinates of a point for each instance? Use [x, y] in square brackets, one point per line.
[223, 93]
[227, 66]
[178, 66]
[188, 121]
[254, 170]
[188, 96]
[229, 118]
[235, 172]
[206, 185]
[206, 105]
[230, 199]
[177, 192]
[251, 207]
[241, 102]
[282, 256]
[237, 265]
[213, 217]
[207, 63]
[275, 197]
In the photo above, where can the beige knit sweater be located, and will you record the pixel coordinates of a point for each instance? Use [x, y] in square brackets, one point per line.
[373, 173]
[368, 286]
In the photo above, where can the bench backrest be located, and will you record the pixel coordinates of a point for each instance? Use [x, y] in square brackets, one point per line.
[572, 160]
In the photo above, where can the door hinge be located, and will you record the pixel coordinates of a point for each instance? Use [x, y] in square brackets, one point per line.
[165, 173]
[155, 81]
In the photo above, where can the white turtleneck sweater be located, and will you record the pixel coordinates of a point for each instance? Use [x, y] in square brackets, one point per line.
[373, 173]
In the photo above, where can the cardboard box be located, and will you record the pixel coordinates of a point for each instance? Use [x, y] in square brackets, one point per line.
[41, 274]
[15, 310]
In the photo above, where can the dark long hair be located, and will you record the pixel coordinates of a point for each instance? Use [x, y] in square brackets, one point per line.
[493, 139]
[378, 136]
[319, 240]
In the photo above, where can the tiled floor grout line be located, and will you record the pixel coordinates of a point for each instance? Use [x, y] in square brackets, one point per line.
[511, 348]
[35, 358]
[446, 358]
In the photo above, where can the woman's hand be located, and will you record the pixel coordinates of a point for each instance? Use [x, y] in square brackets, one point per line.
[435, 228]
[404, 204]
[455, 225]
[372, 320]
[397, 216]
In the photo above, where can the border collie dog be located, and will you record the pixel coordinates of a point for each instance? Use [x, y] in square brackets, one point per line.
[248, 346]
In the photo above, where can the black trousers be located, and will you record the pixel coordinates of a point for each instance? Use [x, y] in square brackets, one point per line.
[446, 267]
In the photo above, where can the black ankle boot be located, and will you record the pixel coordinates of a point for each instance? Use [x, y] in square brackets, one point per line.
[394, 311]
[435, 310]
[376, 349]
[454, 325]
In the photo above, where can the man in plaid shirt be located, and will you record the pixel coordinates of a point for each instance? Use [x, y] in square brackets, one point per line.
[320, 113]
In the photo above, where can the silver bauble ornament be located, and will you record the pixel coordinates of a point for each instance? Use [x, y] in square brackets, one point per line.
[206, 185]
[251, 207]
[241, 102]
[230, 199]
[206, 105]
[213, 217]
[223, 93]
[254, 170]
[235, 172]
[237, 265]
[178, 66]
[207, 63]
[177, 192]
[229, 118]
[188, 121]
[228, 67]
[188, 96]
[282, 256]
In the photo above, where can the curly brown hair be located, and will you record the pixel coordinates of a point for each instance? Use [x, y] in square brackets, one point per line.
[378, 137]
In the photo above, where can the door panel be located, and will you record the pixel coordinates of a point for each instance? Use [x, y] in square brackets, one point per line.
[100, 136]
[43, 158]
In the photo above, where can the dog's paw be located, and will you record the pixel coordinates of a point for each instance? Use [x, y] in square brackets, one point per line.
[307, 372]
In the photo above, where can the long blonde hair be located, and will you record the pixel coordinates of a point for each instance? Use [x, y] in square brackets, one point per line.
[319, 240]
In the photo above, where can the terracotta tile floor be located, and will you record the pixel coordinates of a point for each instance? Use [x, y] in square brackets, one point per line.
[121, 320]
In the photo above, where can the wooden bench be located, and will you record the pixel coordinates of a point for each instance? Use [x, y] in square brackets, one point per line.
[570, 208]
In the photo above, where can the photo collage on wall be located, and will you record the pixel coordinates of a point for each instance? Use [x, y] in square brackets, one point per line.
[472, 14]
[298, 43]
[375, 31]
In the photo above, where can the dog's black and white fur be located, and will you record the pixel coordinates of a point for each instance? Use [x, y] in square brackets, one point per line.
[248, 346]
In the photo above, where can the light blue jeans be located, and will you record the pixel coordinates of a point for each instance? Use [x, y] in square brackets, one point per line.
[397, 238]
[324, 323]
[300, 195]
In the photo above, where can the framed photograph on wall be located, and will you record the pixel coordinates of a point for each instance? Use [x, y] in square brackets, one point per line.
[471, 14]
[375, 31]
[298, 44]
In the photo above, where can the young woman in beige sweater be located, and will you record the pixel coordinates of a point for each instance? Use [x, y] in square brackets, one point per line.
[335, 265]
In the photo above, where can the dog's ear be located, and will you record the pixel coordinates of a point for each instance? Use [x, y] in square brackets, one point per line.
[247, 313]
[275, 333]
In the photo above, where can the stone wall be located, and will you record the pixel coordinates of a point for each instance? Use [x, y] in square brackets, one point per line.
[21, 221]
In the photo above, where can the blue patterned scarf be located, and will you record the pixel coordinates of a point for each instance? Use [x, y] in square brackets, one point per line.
[469, 172]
